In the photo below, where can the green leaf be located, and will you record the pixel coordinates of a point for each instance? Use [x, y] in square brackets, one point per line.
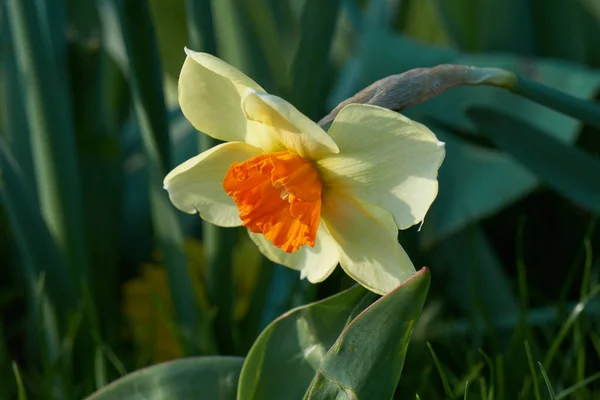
[212, 377]
[424, 20]
[570, 171]
[367, 359]
[474, 182]
[14, 118]
[261, 15]
[200, 32]
[552, 19]
[169, 20]
[39, 252]
[238, 42]
[480, 286]
[22, 395]
[287, 354]
[551, 392]
[141, 58]
[50, 122]
[477, 26]
[579, 385]
[311, 61]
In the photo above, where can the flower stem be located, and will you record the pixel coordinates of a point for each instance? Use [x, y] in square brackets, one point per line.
[580, 109]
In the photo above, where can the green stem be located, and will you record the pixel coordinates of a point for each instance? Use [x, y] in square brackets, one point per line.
[580, 109]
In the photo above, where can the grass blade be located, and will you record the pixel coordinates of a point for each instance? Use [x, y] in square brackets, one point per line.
[438, 365]
[579, 385]
[534, 377]
[22, 395]
[548, 384]
[564, 329]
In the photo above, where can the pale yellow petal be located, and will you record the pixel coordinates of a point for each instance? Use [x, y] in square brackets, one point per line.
[287, 128]
[314, 263]
[366, 236]
[386, 159]
[196, 185]
[210, 93]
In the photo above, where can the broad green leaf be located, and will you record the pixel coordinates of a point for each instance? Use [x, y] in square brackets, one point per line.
[367, 359]
[212, 377]
[480, 280]
[570, 171]
[284, 359]
[498, 180]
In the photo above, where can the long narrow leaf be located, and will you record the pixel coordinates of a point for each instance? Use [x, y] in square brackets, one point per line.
[217, 241]
[310, 65]
[50, 124]
[201, 36]
[148, 100]
[39, 253]
[569, 170]
[238, 43]
[14, 119]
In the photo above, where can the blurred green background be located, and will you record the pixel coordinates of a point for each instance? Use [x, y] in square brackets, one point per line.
[102, 276]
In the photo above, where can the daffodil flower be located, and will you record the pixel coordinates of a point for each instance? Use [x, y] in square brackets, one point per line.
[309, 199]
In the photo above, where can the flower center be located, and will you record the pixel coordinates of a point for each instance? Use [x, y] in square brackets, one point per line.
[278, 195]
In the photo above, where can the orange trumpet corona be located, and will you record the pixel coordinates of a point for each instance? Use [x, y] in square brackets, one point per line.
[278, 195]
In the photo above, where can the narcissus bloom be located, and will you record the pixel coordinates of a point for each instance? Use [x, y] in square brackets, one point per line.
[309, 199]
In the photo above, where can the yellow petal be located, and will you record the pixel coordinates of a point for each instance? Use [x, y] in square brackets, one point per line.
[287, 127]
[210, 93]
[366, 236]
[196, 185]
[315, 264]
[386, 159]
